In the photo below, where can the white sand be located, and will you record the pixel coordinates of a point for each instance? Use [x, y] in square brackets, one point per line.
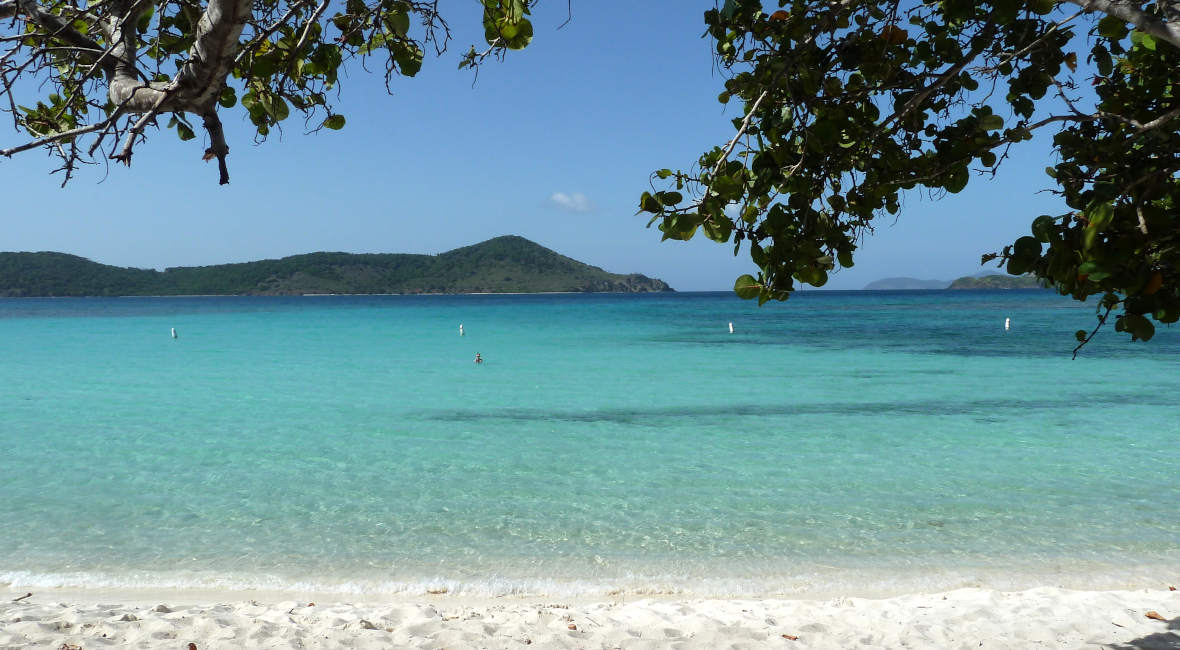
[964, 618]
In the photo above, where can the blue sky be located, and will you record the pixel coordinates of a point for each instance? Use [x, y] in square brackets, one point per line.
[555, 144]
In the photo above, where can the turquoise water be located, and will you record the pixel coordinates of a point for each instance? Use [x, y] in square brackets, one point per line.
[872, 441]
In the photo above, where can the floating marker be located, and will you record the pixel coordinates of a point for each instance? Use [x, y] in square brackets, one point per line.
[173, 332]
[731, 328]
[1007, 324]
[460, 329]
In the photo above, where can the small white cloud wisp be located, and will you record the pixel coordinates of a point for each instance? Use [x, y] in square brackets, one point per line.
[576, 202]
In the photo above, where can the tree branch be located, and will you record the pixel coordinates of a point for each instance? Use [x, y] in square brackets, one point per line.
[56, 137]
[217, 145]
[212, 55]
[57, 26]
[124, 155]
[1101, 322]
[922, 95]
[741, 131]
[1133, 13]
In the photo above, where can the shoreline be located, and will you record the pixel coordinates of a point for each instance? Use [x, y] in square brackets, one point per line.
[968, 618]
[798, 581]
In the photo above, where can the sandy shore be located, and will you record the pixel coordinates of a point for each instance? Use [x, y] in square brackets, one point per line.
[964, 618]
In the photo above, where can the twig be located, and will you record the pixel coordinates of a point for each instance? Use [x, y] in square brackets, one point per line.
[737, 136]
[569, 14]
[53, 138]
[265, 34]
[1101, 322]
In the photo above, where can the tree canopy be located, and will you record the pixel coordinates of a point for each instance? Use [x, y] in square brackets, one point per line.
[84, 78]
[848, 105]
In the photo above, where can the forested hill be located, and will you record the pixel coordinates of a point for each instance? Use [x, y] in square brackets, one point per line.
[508, 264]
[997, 281]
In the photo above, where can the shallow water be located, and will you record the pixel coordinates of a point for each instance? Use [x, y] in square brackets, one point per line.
[893, 441]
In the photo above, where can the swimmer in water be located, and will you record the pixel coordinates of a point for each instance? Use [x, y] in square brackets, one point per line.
[478, 359]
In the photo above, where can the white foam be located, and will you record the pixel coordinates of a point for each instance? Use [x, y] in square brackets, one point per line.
[817, 582]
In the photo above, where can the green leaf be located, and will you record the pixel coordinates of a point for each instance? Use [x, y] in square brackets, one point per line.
[1094, 271]
[991, 122]
[648, 203]
[398, 24]
[669, 198]
[1111, 27]
[408, 58]
[1044, 228]
[747, 287]
[228, 97]
[1139, 327]
[1100, 215]
[1027, 248]
[1042, 7]
[956, 180]
[334, 122]
[523, 35]
[275, 107]
[1144, 41]
[184, 131]
[726, 187]
[718, 230]
[1016, 266]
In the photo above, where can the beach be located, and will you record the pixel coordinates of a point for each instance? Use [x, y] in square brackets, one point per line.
[886, 469]
[964, 618]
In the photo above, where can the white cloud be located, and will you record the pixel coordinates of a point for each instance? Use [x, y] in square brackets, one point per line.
[576, 202]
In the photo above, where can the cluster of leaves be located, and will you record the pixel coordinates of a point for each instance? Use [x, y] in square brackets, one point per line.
[505, 27]
[291, 56]
[848, 105]
[1120, 176]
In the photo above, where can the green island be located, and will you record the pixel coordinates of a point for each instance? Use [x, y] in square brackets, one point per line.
[507, 264]
[997, 281]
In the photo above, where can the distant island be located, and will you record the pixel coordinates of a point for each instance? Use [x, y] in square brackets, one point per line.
[508, 264]
[993, 281]
[905, 284]
[997, 281]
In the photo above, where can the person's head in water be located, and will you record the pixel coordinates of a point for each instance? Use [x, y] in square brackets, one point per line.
[478, 359]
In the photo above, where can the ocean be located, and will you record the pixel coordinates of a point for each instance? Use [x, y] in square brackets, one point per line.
[841, 442]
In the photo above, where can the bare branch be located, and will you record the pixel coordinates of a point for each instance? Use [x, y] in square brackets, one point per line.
[56, 137]
[265, 34]
[57, 26]
[740, 132]
[1101, 322]
[1133, 13]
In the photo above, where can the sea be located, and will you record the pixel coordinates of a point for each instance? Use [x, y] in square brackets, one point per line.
[841, 442]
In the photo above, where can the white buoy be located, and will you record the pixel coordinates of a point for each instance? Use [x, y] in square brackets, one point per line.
[173, 332]
[1007, 324]
[731, 328]
[460, 329]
